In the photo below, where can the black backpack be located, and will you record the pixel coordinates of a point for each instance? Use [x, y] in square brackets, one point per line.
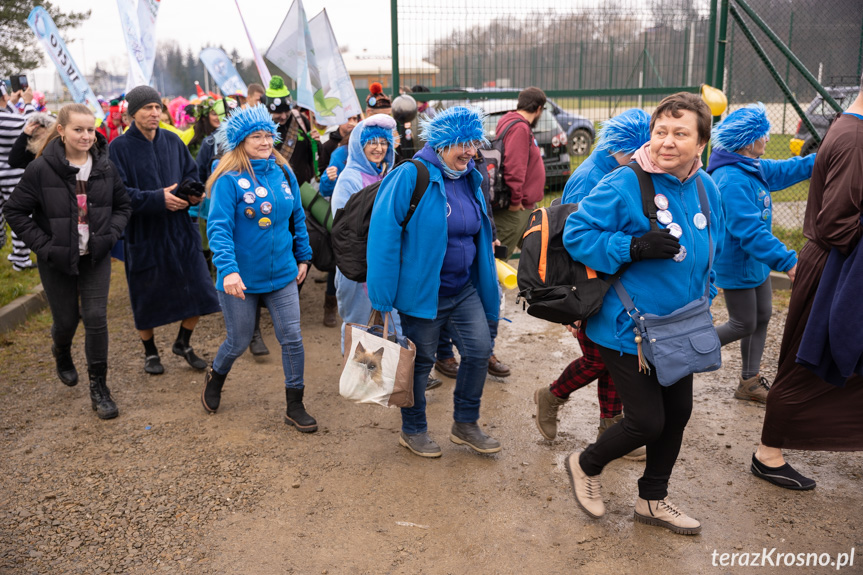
[350, 234]
[556, 287]
[494, 158]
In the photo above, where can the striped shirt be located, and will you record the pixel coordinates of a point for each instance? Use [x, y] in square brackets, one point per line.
[11, 124]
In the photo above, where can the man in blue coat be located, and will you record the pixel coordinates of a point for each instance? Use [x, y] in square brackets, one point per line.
[165, 267]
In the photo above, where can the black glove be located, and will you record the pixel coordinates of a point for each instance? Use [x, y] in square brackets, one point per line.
[655, 244]
[189, 188]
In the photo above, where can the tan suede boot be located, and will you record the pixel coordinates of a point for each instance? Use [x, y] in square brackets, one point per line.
[547, 405]
[753, 389]
[587, 489]
[637, 454]
[664, 513]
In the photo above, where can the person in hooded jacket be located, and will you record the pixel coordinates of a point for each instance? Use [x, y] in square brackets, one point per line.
[70, 208]
[439, 271]
[749, 248]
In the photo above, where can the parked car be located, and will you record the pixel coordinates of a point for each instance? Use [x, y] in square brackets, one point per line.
[821, 114]
[550, 136]
[580, 131]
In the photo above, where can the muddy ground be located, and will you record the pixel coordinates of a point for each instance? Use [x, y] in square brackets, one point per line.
[166, 488]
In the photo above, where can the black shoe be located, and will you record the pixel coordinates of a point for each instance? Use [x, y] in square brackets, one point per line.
[153, 365]
[784, 476]
[211, 395]
[100, 395]
[433, 382]
[257, 345]
[189, 354]
[65, 366]
[295, 414]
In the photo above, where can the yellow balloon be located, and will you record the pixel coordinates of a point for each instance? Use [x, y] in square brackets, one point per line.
[715, 99]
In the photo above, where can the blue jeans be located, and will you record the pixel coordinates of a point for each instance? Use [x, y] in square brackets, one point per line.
[464, 317]
[284, 306]
[444, 346]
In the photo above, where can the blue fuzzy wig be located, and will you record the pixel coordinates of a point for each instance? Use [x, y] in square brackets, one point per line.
[625, 133]
[241, 123]
[456, 125]
[741, 128]
[371, 132]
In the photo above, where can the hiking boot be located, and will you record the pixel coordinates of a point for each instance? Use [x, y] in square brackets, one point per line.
[420, 444]
[65, 366]
[257, 345]
[753, 389]
[447, 367]
[471, 435]
[433, 382]
[783, 476]
[664, 513]
[211, 395]
[586, 488]
[153, 365]
[188, 354]
[497, 368]
[331, 306]
[637, 454]
[295, 413]
[547, 405]
[100, 395]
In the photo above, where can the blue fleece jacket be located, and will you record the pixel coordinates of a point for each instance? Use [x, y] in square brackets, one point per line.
[264, 255]
[404, 269]
[749, 248]
[587, 175]
[599, 235]
[358, 172]
[463, 222]
[339, 159]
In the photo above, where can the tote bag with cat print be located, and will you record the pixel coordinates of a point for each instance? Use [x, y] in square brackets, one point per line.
[377, 369]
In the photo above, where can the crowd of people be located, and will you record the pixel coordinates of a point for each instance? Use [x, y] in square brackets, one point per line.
[203, 203]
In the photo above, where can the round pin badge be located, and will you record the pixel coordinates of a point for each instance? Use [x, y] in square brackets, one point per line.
[249, 198]
[675, 230]
[765, 215]
[264, 223]
[261, 192]
[700, 221]
[244, 183]
[660, 201]
[664, 217]
[266, 208]
[766, 201]
[681, 254]
[250, 213]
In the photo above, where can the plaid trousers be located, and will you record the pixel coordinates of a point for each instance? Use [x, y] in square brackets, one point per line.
[585, 369]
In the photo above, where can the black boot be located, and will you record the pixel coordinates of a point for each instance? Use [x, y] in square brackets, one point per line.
[65, 366]
[296, 414]
[211, 396]
[257, 345]
[100, 395]
[183, 349]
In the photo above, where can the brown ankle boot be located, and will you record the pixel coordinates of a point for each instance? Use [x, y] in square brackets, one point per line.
[637, 454]
[753, 389]
[331, 306]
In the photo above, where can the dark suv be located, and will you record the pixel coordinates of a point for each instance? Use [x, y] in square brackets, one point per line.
[580, 132]
[821, 114]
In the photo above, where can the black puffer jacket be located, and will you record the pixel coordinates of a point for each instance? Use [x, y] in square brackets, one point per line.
[47, 193]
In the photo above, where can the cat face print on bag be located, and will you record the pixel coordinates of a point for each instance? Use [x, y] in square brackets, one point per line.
[371, 364]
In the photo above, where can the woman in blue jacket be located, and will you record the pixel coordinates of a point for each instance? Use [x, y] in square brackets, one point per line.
[257, 232]
[670, 268]
[439, 271]
[749, 248]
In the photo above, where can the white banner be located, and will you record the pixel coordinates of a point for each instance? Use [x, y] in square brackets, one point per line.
[336, 99]
[132, 32]
[223, 71]
[259, 60]
[46, 32]
[292, 50]
[148, 10]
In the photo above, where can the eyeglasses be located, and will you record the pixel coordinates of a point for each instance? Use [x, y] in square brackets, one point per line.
[377, 143]
[465, 146]
[260, 137]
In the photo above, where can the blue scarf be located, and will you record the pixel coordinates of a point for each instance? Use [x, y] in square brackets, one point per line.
[449, 172]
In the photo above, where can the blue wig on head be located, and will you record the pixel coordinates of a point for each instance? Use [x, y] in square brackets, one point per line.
[625, 133]
[456, 125]
[741, 128]
[241, 123]
[371, 132]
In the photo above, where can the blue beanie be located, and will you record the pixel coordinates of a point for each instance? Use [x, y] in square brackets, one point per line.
[241, 123]
[456, 125]
[625, 133]
[741, 128]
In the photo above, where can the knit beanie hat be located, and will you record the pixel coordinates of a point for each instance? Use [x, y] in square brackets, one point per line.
[140, 96]
[278, 96]
[376, 98]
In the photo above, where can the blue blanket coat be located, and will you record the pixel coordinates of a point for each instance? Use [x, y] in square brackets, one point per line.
[749, 248]
[165, 267]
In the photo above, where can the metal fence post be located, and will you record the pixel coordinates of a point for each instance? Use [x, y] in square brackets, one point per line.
[394, 24]
[711, 43]
[787, 69]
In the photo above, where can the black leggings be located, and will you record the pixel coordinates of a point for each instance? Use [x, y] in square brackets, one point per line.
[654, 416]
[63, 292]
[749, 312]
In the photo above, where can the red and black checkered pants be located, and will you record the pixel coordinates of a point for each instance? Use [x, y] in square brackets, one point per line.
[584, 370]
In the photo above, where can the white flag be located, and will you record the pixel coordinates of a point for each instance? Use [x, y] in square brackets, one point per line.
[292, 51]
[148, 10]
[338, 100]
[132, 32]
[263, 71]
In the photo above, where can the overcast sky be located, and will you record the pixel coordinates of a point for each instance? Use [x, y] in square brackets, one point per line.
[200, 23]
